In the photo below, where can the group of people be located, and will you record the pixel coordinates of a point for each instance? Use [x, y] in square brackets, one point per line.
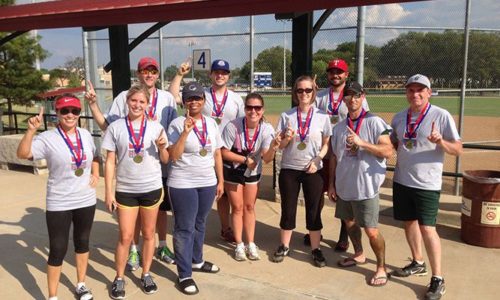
[330, 142]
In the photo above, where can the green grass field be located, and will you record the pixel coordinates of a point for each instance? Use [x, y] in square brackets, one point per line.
[474, 106]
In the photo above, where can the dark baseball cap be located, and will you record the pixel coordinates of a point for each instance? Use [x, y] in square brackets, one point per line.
[353, 87]
[220, 64]
[192, 89]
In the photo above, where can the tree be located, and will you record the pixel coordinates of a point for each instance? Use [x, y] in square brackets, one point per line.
[75, 68]
[58, 77]
[170, 72]
[270, 60]
[20, 82]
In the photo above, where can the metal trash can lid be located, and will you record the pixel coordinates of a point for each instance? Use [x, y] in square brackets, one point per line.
[483, 176]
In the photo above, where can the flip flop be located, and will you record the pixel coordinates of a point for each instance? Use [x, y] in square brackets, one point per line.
[341, 246]
[349, 262]
[207, 267]
[385, 278]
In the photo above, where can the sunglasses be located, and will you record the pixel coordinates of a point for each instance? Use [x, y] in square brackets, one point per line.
[75, 111]
[349, 97]
[193, 99]
[302, 91]
[146, 72]
[257, 108]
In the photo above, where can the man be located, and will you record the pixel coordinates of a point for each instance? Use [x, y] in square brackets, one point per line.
[330, 100]
[224, 106]
[422, 134]
[360, 147]
[162, 108]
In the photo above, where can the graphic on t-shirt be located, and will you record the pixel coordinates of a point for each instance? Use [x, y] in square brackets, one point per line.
[73, 161]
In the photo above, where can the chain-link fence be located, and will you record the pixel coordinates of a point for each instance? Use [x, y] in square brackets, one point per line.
[400, 40]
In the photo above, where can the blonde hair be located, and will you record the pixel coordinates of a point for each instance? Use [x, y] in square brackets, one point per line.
[138, 88]
[295, 99]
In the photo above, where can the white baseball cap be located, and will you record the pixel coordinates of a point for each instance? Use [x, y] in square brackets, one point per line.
[419, 78]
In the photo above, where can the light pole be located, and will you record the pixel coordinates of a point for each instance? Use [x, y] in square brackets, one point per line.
[191, 45]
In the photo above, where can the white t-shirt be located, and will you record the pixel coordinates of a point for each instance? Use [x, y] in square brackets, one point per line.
[296, 159]
[233, 139]
[421, 165]
[359, 175]
[132, 177]
[193, 170]
[65, 190]
[323, 102]
[233, 109]
[166, 112]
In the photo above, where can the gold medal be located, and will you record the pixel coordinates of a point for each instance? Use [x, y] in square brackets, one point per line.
[354, 148]
[79, 172]
[334, 119]
[218, 121]
[409, 144]
[301, 146]
[203, 152]
[138, 159]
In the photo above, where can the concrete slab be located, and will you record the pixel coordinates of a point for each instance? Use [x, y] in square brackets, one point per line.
[470, 272]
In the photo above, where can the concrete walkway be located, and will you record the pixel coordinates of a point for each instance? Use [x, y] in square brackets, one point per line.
[470, 272]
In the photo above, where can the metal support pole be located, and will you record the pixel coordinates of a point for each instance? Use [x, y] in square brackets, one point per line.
[284, 57]
[360, 45]
[252, 66]
[302, 32]
[160, 48]
[120, 60]
[463, 88]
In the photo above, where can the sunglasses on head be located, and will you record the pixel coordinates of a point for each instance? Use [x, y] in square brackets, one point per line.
[148, 71]
[257, 108]
[65, 110]
[301, 91]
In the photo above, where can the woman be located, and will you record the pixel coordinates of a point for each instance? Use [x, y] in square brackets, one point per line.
[135, 146]
[71, 198]
[247, 141]
[307, 132]
[195, 180]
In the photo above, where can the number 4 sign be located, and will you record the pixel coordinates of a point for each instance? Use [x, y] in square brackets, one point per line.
[201, 59]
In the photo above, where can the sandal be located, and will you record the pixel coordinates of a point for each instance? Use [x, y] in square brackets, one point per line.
[184, 286]
[383, 278]
[207, 267]
[349, 262]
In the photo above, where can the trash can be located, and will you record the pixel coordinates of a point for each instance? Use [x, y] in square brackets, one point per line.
[481, 208]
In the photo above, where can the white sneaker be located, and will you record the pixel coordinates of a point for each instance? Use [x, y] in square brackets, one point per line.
[239, 252]
[253, 251]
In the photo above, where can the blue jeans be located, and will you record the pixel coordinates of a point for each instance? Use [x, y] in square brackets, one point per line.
[190, 208]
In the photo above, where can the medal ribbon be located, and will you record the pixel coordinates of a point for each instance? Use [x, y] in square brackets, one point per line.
[304, 129]
[333, 105]
[359, 120]
[218, 108]
[76, 153]
[201, 137]
[136, 141]
[411, 130]
[152, 108]
[250, 142]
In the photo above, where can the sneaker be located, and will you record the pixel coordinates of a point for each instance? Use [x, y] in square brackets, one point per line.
[252, 251]
[118, 289]
[84, 293]
[436, 289]
[133, 261]
[307, 239]
[148, 285]
[239, 252]
[227, 235]
[280, 253]
[414, 268]
[164, 254]
[318, 258]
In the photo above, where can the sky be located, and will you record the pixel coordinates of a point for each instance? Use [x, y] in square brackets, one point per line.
[180, 38]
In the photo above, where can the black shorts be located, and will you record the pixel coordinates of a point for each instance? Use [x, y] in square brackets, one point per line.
[165, 203]
[146, 200]
[237, 176]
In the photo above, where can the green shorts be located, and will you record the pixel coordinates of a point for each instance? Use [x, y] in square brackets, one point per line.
[415, 204]
[363, 212]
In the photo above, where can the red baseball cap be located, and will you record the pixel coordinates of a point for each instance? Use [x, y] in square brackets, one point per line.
[338, 64]
[68, 101]
[147, 62]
